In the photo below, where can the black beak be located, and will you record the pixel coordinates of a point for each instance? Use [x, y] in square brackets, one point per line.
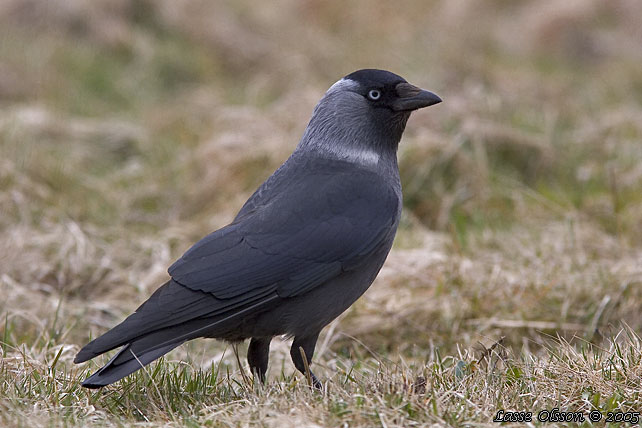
[411, 98]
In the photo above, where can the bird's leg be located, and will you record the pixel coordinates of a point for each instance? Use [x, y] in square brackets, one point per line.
[301, 352]
[258, 354]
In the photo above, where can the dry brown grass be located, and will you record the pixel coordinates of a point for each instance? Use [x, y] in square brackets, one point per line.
[129, 129]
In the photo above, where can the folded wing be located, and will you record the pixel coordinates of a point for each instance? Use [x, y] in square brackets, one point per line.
[296, 240]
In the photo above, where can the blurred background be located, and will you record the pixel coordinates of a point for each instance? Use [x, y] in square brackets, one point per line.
[131, 128]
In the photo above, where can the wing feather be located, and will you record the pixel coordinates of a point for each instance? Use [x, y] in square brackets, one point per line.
[300, 238]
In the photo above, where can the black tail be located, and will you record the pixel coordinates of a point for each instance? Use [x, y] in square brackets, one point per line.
[125, 363]
[171, 316]
[143, 350]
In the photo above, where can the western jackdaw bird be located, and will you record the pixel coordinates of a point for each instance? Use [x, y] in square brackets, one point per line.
[301, 250]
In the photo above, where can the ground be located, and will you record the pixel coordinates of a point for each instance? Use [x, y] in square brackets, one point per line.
[130, 129]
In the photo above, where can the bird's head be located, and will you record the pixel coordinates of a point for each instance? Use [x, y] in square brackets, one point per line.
[362, 116]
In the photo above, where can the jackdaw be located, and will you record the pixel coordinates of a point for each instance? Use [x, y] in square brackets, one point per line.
[301, 250]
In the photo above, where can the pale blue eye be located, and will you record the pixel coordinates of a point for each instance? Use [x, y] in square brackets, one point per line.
[374, 94]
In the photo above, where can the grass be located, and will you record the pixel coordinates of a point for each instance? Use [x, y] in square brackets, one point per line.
[442, 389]
[131, 129]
